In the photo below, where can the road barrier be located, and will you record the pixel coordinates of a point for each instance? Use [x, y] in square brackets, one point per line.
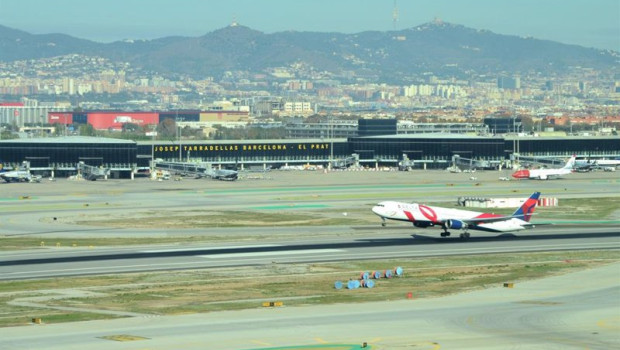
[366, 279]
[272, 303]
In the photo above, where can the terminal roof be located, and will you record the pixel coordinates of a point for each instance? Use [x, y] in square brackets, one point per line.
[69, 139]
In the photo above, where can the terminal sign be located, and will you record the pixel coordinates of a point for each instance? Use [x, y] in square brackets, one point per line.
[246, 148]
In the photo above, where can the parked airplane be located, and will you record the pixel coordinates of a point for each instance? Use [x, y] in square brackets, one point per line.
[608, 162]
[585, 165]
[424, 216]
[22, 174]
[19, 176]
[221, 174]
[544, 174]
[199, 170]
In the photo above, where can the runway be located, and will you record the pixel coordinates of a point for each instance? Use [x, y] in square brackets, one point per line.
[58, 262]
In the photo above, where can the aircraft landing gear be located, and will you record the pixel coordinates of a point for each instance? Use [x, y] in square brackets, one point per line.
[383, 222]
[464, 235]
[445, 232]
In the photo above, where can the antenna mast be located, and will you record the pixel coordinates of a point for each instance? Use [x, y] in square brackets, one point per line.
[395, 15]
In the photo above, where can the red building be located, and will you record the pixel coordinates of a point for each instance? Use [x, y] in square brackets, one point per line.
[587, 120]
[60, 118]
[116, 120]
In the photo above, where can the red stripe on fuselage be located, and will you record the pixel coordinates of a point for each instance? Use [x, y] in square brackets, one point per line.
[409, 215]
[429, 213]
[487, 215]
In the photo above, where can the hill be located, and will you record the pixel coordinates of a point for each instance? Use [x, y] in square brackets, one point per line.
[441, 48]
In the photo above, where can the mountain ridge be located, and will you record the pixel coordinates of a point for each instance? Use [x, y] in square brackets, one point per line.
[442, 48]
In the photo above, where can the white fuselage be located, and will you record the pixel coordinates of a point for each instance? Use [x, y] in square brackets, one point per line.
[16, 175]
[423, 216]
[607, 162]
[544, 174]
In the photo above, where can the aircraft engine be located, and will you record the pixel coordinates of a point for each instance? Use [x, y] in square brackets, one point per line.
[543, 177]
[455, 224]
[422, 224]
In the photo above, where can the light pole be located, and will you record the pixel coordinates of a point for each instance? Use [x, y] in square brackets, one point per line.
[180, 145]
[331, 140]
[153, 133]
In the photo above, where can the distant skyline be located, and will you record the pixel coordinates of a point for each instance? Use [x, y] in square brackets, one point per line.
[589, 23]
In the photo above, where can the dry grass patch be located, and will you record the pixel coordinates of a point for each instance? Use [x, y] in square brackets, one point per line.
[296, 284]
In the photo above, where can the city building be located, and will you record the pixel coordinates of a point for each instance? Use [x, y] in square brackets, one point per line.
[503, 125]
[509, 83]
[21, 114]
[114, 120]
[372, 127]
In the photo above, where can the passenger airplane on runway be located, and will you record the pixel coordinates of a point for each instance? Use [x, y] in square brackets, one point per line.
[424, 216]
[545, 174]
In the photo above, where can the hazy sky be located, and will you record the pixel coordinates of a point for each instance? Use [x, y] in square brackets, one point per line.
[590, 23]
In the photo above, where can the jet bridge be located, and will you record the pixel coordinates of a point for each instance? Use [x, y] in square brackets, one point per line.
[406, 164]
[181, 168]
[92, 173]
[471, 164]
[344, 163]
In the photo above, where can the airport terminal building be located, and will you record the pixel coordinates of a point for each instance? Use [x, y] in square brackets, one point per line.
[123, 157]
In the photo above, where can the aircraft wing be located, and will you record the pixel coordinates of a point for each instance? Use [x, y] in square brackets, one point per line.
[477, 221]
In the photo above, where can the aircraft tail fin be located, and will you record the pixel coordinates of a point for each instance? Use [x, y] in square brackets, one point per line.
[526, 210]
[571, 163]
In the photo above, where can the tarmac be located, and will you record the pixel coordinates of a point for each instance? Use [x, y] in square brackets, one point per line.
[575, 311]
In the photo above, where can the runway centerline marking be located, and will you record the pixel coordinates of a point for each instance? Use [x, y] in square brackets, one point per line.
[171, 250]
[290, 252]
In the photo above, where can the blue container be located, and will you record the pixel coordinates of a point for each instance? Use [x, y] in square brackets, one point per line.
[351, 284]
[398, 271]
[370, 284]
[338, 285]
